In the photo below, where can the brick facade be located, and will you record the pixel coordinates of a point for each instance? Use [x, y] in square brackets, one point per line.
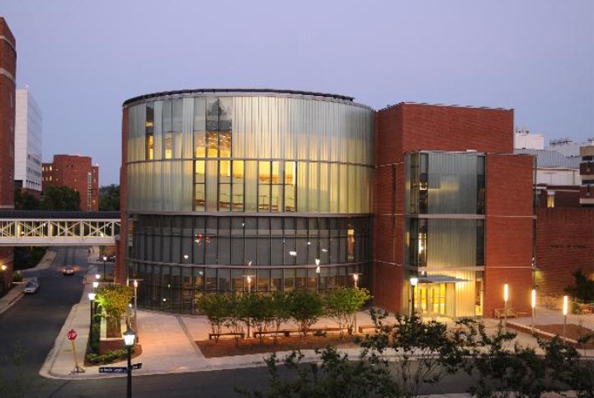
[508, 223]
[8, 59]
[73, 172]
[564, 244]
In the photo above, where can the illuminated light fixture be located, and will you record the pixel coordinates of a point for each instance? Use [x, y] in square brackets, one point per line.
[293, 253]
[565, 305]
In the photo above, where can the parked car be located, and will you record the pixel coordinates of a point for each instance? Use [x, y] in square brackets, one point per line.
[68, 270]
[111, 258]
[31, 287]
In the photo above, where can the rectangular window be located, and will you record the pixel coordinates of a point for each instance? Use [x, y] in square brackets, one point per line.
[149, 131]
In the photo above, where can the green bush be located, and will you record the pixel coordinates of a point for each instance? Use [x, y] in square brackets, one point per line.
[108, 357]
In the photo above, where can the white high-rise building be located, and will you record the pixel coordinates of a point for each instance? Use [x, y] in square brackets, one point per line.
[27, 141]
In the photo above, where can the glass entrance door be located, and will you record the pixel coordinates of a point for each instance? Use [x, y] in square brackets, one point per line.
[432, 299]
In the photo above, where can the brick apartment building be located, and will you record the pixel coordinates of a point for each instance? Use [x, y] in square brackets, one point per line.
[453, 208]
[8, 58]
[76, 172]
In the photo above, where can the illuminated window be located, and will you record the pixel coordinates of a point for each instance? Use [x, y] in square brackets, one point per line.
[550, 199]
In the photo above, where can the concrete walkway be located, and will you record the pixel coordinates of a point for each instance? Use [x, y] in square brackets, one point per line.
[168, 341]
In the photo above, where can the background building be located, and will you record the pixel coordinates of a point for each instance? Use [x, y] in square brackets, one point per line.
[76, 172]
[454, 208]
[237, 190]
[8, 58]
[28, 142]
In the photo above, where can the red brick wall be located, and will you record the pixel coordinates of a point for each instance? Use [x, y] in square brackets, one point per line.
[508, 226]
[410, 127]
[7, 116]
[72, 171]
[564, 244]
[450, 128]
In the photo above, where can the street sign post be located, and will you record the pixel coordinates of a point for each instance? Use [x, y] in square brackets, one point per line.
[71, 335]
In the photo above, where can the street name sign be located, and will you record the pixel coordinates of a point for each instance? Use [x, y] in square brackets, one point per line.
[136, 366]
[113, 369]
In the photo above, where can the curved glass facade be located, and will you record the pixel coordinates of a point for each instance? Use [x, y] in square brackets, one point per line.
[227, 186]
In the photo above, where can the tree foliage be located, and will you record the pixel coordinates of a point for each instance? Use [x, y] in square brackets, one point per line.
[343, 303]
[109, 198]
[583, 289]
[406, 358]
[305, 308]
[23, 200]
[60, 198]
[114, 300]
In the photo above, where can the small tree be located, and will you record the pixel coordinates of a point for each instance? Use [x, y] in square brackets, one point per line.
[343, 303]
[216, 309]
[114, 299]
[258, 311]
[305, 308]
[281, 311]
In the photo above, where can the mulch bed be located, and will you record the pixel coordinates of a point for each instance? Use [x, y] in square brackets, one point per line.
[226, 347]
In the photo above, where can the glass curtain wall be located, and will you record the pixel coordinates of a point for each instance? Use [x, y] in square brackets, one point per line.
[444, 225]
[222, 186]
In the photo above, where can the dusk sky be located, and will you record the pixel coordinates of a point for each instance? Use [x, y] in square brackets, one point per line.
[82, 59]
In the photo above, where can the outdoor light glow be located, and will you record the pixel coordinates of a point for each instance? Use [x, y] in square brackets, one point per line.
[129, 337]
[318, 269]
[135, 283]
[318, 262]
[414, 281]
[97, 276]
[95, 285]
[186, 256]
[533, 298]
[92, 296]
[104, 258]
[355, 277]
[564, 305]
[249, 279]
[293, 253]
[505, 292]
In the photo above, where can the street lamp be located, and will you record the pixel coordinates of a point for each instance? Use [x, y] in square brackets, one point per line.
[413, 282]
[505, 298]
[533, 304]
[565, 318]
[91, 299]
[104, 260]
[318, 270]
[95, 284]
[135, 284]
[129, 338]
[4, 268]
[356, 279]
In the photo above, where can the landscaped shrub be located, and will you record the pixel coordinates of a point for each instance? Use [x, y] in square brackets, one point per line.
[343, 303]
[305, 308]
[114, 300]
[108, 357]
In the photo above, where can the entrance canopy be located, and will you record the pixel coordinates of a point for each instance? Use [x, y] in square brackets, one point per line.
[440, 279]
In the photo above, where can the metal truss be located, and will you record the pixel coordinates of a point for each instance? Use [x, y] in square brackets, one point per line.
[58, 232]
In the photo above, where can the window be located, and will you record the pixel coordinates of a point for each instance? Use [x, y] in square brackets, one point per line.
[149, 130]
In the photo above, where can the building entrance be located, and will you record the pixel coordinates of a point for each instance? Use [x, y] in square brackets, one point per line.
[432, 299]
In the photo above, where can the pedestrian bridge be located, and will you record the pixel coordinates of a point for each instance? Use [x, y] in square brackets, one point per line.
[58, 228]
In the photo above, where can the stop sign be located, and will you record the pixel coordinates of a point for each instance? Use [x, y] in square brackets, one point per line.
[71, 334]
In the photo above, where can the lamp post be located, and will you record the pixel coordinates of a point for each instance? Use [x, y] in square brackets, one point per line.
[104, 260]
[4, 268]
[533, 304]
[565, 318]
[91, 299]
[95, 284]
[356, 279]
[505, 298]
[129, 337]
[318, 270]
[413, 282]
[135, 284]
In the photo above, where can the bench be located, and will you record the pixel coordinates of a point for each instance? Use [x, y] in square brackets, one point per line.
[285, 333]
[501, 313]
[217, 335]
[386, 328]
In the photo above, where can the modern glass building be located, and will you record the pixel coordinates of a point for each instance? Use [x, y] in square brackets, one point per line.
[236, 190]
[445, 231]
